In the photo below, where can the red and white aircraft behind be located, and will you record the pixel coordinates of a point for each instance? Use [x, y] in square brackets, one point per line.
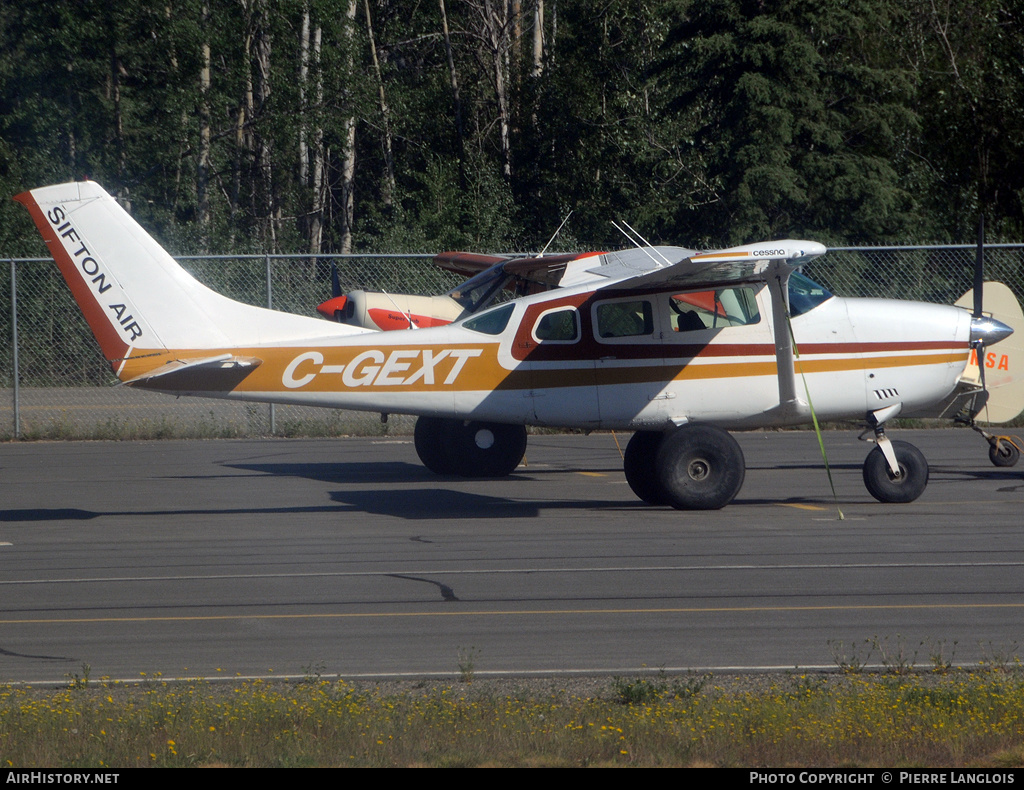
[627, 340]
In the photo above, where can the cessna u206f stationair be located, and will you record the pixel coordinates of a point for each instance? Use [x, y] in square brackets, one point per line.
[676, 345]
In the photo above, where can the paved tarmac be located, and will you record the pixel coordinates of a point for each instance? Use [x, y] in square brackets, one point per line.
[345, 556]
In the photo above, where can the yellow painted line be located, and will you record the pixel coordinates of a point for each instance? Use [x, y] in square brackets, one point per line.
[592, 474]
[800, 507]
[514, 613]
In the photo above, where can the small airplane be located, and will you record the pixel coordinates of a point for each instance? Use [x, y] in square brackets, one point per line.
[677, 345]
[493, 275]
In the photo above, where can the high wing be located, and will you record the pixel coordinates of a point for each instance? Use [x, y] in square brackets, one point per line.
[467, 264]
[675, 267]
[633, 269]
[546, 270]
[671, 268]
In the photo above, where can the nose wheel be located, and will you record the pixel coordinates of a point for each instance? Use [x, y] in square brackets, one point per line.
[904, 485]
[1003, 452]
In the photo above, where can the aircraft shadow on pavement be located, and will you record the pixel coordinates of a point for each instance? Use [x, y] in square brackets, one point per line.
[414, 504]
[392, 472]
[47, 514]
[363, 472]
[438, 503]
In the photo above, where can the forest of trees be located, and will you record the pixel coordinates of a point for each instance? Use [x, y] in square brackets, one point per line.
[400, 126]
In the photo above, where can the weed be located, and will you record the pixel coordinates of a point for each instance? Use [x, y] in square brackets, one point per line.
[311, 672]
[807, 685]
[690, 686]
[998, 658]
[937, 655]
[849, 659]
[896, 656]
[637, 691]
[467, 663]
[76, 681]
[645, 690]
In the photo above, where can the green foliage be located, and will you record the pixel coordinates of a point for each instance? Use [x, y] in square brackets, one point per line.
[799, 116]
[467, 663]
[962, 721]
[644, 691]
[702, 123]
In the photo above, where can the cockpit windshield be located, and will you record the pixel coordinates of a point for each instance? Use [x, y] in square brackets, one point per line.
[805, 294]
[482, 289]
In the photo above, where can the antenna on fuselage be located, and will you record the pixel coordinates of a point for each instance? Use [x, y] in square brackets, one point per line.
[555, 235]
[401, 312]
[641, 243]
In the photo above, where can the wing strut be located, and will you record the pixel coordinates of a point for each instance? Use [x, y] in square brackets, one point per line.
[778, 286]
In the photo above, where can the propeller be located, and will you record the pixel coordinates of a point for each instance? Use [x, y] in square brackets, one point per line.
[333, 308]
[982, 329]
[336, 283]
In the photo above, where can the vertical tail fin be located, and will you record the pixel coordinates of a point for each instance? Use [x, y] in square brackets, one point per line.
[134, 295]
[100, 295]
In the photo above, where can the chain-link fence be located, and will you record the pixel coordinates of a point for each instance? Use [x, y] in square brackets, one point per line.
[54, 382]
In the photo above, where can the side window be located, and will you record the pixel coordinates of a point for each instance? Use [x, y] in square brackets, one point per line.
[557, 326]
[493, 322]
[696, 310]
[624, 319]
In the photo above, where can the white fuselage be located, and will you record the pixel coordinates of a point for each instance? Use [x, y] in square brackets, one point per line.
[854, 356]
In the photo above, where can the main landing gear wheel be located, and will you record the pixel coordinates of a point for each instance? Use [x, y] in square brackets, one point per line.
[1005, 454]
[638, 462]
[700, 467]
[908, 486]
[469, 449]
[486, 449]
[430, 439]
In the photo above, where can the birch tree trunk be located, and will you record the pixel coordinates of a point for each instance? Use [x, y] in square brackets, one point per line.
[262, 47]
[243, 132]
[494, 33]
[453, 79]
[311, 158]
[388, 188]
[538, 38]
[203, 161]
[317, 180]
[348, 162]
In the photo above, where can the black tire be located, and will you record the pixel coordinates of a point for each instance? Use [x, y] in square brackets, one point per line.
[1007, 454]
[485, 449]
[430, 439]
[908, 486]
[639, 462]
[700, 467]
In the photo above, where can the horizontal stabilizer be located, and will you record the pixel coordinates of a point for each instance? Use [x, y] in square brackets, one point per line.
[210, 374]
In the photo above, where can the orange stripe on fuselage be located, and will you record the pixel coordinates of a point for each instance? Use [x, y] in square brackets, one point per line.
[469, 367]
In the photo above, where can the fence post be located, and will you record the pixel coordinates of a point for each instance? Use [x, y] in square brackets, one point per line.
[270, 306]
[14, 351]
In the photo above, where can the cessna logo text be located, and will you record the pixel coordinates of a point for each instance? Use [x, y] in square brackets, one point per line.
[376, 368]
[92, 271]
